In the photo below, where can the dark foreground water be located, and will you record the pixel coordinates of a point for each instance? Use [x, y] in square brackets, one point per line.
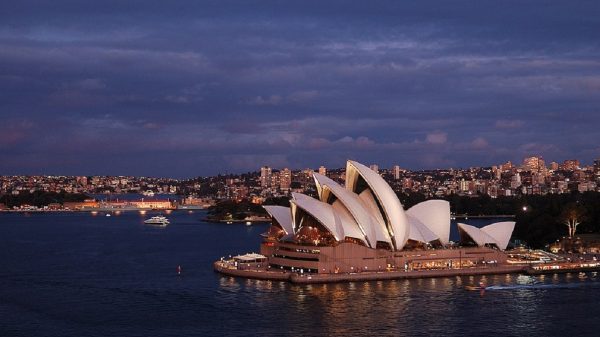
[79, 275]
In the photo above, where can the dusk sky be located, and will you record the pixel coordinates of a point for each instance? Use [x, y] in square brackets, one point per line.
[189, 88]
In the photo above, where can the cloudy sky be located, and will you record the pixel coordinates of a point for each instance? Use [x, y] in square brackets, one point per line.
[188, 88]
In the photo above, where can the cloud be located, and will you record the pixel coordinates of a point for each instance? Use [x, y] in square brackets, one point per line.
[270, 100]
[509, 124]
[479, 143]
[294, 97]
[437, 137]
[413, 84]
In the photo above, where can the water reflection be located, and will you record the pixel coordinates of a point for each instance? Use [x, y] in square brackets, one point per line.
[345, 308]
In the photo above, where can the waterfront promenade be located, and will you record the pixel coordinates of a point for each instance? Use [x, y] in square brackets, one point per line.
[256, 271]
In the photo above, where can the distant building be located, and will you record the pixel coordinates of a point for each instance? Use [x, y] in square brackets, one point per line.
[396, 170]
[82, 181]
[597, 167]
[285, 179]
[570, 165]
[265, 177]
[274, 180]
[374, 167]
[515, 181]
[407, 183]
[583, 244]
[506, 166]
[534, 164]
[322, 170]
[554, 166]
[464, 185]
[150, 204]
[86, 204]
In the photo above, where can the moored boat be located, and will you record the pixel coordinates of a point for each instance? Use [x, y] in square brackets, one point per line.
[157, 220]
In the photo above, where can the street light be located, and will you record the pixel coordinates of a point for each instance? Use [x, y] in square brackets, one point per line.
[524, 208]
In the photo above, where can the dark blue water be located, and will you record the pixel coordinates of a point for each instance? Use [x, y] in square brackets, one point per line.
[74, 274]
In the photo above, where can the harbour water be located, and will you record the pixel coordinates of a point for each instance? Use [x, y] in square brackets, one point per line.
[74, 274]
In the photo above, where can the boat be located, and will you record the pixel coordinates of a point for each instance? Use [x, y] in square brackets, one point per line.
[481, 286]
[157, 220]
[248, 223]
[148, 193]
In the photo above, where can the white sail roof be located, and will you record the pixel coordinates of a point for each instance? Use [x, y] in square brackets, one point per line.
[322, 212]
[476, 234]
[435, 214]
[420, 232]
[497, 233]
[350, 226]
[391, 208]
[371, 229]
[501, 231]
[283, 215]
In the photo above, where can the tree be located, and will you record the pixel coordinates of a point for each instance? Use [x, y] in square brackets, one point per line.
[572, 215]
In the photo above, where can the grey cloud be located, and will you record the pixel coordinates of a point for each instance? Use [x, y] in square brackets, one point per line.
[296, 82]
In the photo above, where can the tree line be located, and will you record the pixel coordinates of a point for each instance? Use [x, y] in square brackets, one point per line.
[40, 198]
[540, 219]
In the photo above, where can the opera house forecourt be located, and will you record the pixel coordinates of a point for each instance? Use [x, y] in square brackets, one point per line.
[360, 231]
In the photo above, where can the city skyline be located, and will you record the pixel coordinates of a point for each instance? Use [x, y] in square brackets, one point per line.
[192, 88]
[570, 164]
[532, 177]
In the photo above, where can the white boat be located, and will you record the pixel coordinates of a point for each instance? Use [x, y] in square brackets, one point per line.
[157, 220]
[148, 193]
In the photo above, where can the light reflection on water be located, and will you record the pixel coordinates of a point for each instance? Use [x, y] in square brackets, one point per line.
[398, 307]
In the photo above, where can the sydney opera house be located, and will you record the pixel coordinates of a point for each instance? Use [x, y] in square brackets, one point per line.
[362, 227]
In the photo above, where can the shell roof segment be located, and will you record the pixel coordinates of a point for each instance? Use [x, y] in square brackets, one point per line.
[283, 215]
[371, 229]
[435, 214]
[498, 233]
[385, 199]
[322, 212]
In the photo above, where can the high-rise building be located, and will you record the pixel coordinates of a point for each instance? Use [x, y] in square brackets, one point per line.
[597, 166]
[265, 177]
[554, 166]
[396, 170]
[515, 181]
[285, 179]
[464, 185]
[322, 170]
[534, 164]
[506, 166]
[374, 167]
[570, 165]
[275, 181]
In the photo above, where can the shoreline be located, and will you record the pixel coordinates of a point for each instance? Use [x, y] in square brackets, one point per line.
[103, 210]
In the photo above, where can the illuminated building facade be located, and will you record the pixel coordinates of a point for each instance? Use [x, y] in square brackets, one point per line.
[534, 164]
